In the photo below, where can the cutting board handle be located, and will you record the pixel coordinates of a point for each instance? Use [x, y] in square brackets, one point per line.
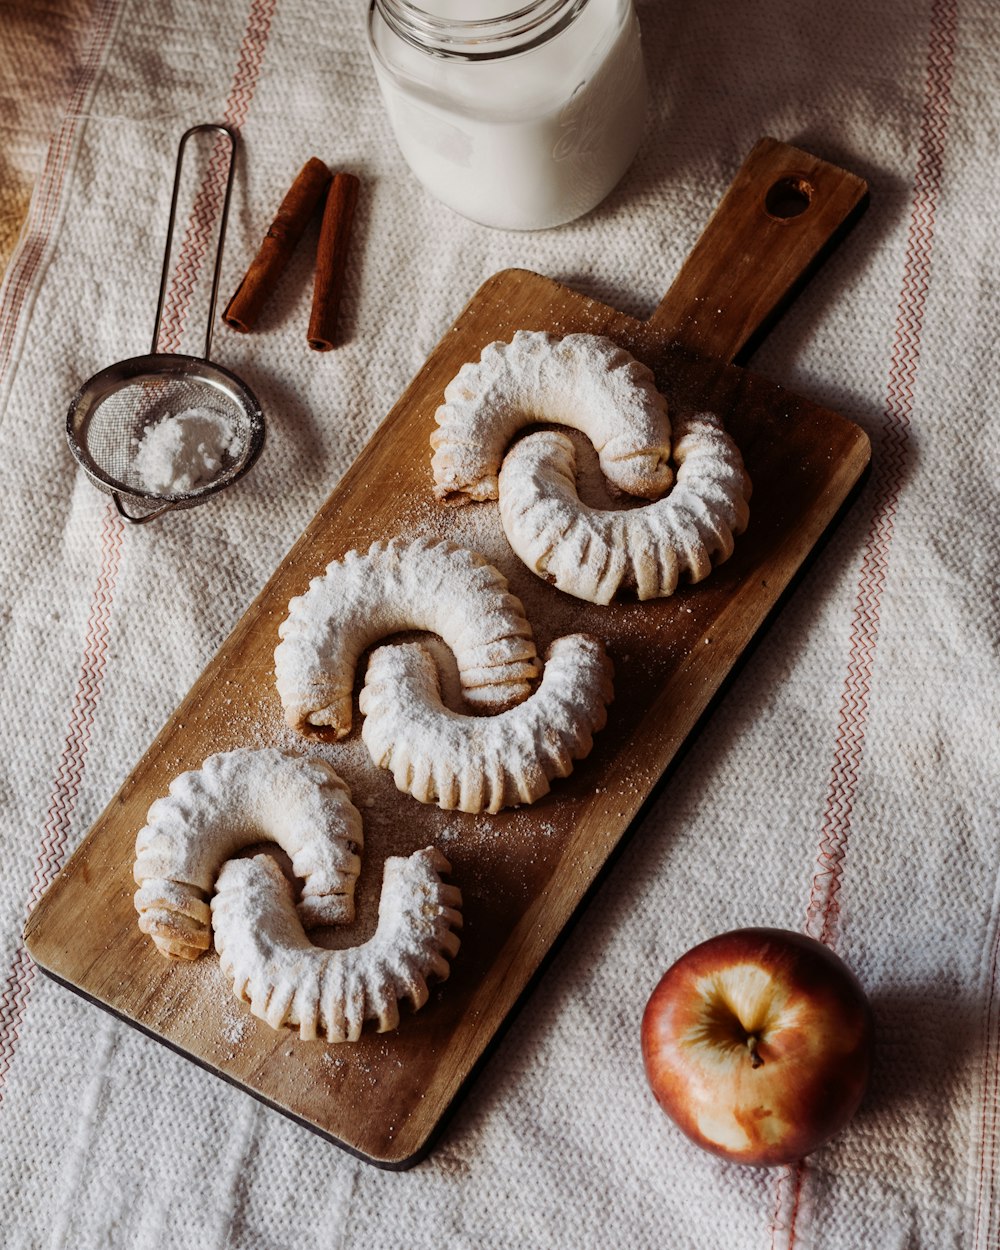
[782, 210]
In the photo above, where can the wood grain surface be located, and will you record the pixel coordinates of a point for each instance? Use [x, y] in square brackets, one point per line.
[523, 872]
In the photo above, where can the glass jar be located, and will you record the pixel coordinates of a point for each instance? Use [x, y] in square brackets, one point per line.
[517, 119]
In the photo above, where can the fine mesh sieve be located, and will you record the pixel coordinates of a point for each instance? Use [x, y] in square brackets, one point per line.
[116, 413]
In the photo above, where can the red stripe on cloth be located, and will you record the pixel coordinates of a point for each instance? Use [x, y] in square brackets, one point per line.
[20, 977]
[13, 1001]
[787, 1207]
[888, 476]
[19, 281]
[251, 59]
[69, 775]
[88, 690]
[887, 480]
[194, 247]
[207, 205]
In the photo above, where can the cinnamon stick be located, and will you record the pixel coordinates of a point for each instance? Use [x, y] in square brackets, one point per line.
[274, 252]
[331, 260]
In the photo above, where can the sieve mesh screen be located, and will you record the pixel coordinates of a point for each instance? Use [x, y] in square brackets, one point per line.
[118, 419]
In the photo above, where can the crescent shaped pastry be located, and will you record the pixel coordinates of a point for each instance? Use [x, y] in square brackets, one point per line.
[481, 764]
[394, 586]
[235, 799]
[592, 554]
[288, 981]
[583, 380]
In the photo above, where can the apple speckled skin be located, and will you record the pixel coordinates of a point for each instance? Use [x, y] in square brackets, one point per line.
[758, 1043]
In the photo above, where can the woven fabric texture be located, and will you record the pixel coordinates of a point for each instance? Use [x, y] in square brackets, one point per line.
[845, 784]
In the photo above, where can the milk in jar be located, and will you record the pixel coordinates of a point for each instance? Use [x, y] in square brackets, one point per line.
[519, 118]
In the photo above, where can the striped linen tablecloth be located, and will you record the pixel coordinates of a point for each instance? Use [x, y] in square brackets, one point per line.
[846, 785]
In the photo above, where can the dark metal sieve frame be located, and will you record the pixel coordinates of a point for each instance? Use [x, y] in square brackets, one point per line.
[157, 369]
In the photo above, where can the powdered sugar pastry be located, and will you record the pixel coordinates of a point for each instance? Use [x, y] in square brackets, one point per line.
[288, 981]
[479, 764]
[582, 380]
[591, 553]
[235, 799]
[394, 586]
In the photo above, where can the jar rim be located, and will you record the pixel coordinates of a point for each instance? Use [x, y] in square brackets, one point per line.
[477, 39]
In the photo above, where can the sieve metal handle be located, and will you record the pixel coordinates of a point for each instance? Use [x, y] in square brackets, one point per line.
[139, 518]
[231, 136]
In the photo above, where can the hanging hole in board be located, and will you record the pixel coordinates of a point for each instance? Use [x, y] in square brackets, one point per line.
[788, 197]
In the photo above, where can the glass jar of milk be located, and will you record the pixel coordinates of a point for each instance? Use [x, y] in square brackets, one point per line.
[520, 116]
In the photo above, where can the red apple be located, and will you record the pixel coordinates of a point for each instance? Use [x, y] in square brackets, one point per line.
[758, 1043]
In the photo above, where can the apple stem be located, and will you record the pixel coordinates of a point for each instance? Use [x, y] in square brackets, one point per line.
[755, 1059]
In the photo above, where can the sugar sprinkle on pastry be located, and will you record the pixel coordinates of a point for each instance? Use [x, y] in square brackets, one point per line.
[238, 798]
[482, 764]
[591, 553]
[581, 380]
[394, 586]
[289, 982]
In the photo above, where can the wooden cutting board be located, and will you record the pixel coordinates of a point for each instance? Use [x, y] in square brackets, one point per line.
[523, 873]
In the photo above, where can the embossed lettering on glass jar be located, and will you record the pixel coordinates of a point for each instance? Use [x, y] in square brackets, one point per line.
[517, 119]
